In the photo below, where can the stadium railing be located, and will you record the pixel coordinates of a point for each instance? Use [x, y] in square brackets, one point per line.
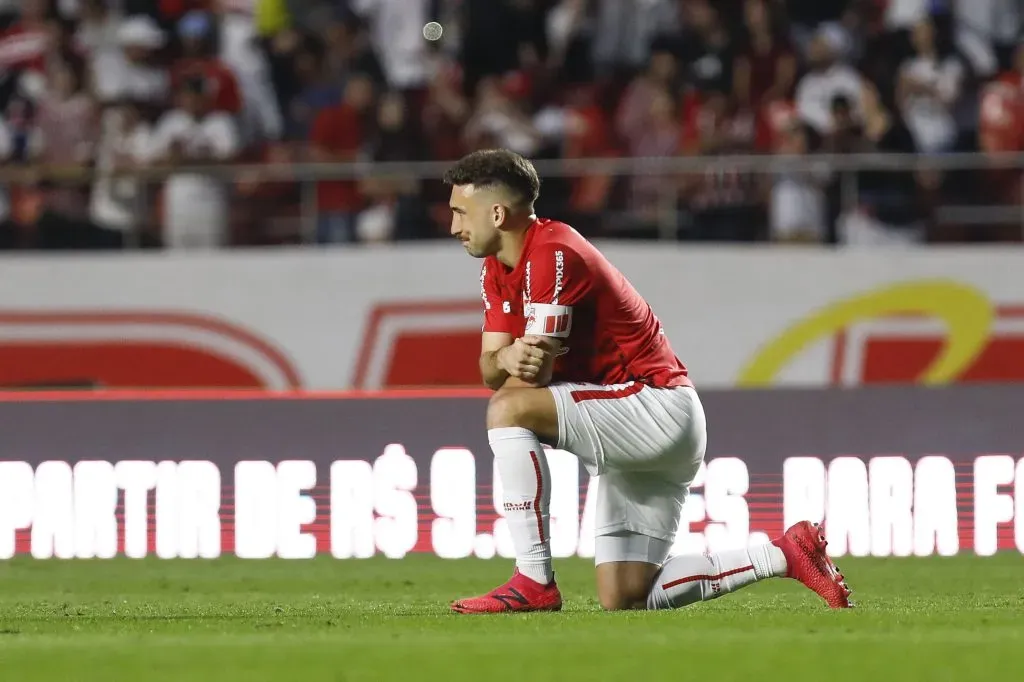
[626, 197]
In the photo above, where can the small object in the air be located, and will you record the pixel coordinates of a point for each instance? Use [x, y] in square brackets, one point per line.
[433, 31]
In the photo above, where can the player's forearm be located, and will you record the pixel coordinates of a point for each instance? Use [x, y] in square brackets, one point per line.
[493, 375]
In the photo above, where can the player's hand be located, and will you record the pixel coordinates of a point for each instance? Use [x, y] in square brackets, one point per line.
[525, 357]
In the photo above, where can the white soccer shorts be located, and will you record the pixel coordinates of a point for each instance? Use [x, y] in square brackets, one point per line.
[645, 444]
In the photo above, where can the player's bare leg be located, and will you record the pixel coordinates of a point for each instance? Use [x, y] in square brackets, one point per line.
[687, 579]
[625, 585]
[518, 420]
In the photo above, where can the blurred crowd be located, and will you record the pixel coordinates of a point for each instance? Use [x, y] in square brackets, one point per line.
[116, 115]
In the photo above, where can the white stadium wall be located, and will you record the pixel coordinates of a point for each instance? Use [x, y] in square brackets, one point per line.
[359, 318]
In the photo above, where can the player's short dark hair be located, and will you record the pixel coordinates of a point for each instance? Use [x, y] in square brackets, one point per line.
[497, 167]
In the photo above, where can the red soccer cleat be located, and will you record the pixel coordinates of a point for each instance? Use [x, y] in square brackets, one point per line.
[518, 594]
[804, 547]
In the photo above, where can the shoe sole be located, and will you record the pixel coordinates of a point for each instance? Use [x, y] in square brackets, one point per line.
[469, 612]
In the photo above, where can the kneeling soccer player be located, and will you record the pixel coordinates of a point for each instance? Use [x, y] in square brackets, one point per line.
[578, 360]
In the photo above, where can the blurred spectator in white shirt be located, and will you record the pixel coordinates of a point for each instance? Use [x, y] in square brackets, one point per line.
[239, 49]
[97, 41]
[826, 79]
[995, 21]
[193, 134]
[396, 27]
[976, 25]
[565, 23]
[927, 90]
[904, 14]
[126, 145]
[625, 29]
[797, 209]
[499, 121]
[138, 72]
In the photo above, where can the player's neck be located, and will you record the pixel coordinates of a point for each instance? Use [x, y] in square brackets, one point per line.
[513, 240]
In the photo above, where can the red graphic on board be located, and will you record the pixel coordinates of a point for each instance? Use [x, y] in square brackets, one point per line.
[104, 349]
[427, 343]
[896, 351]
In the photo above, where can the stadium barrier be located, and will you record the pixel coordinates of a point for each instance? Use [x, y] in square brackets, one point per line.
[892, 471]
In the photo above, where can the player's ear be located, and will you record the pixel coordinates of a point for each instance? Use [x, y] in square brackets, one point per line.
[498, 214]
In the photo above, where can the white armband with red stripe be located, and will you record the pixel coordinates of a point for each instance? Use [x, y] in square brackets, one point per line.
[544, 319]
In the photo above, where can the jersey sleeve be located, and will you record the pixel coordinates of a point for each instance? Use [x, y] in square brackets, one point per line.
[496, 318]
[556, 280]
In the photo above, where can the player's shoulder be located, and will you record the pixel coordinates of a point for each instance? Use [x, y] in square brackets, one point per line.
[549, 230]
[554, 235]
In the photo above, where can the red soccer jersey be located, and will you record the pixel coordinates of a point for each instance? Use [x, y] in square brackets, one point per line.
[564, 287]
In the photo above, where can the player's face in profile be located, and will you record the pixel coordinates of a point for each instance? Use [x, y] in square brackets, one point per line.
[473, 221]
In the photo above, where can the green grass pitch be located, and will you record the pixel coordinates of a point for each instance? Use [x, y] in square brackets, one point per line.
[232, 620]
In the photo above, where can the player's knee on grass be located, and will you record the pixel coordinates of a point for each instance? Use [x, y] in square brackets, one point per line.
[527, 408]
[616, 599]
[624, 585]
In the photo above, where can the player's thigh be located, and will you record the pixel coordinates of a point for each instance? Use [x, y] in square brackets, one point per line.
[646, 446]
[637, 515]
[632, 427]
